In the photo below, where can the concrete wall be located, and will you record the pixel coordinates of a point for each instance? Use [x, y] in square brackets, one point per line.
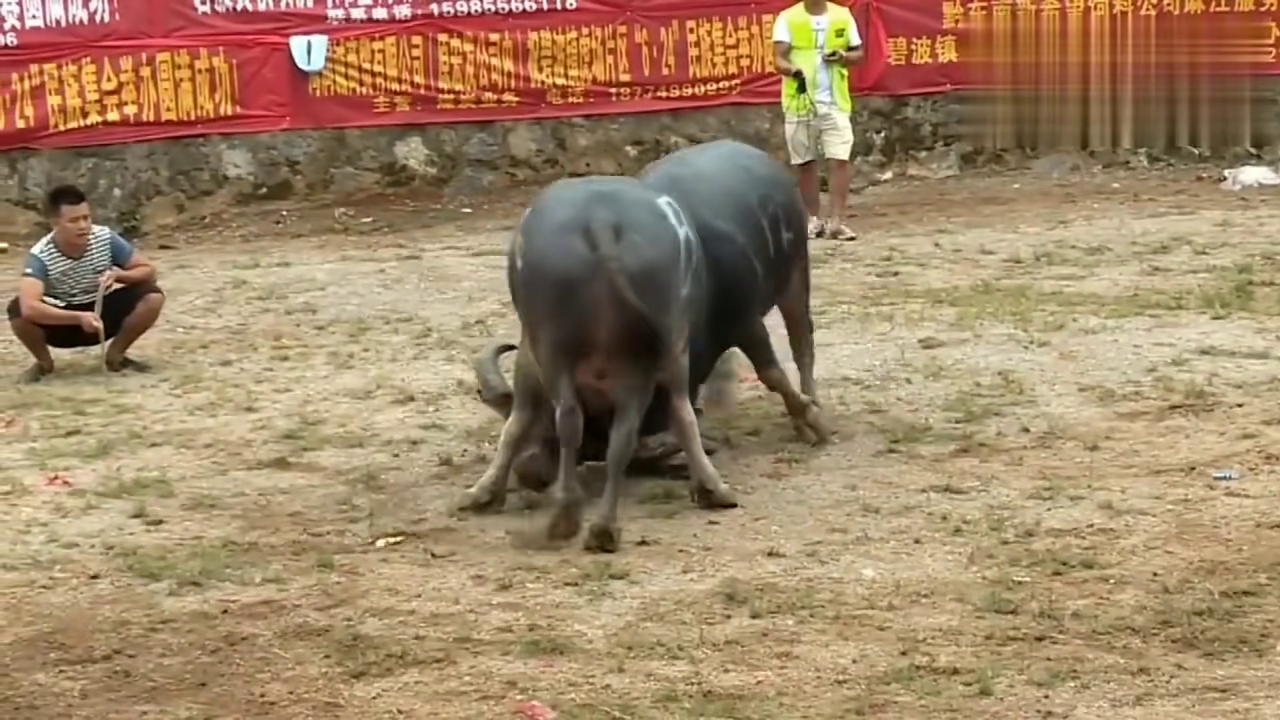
[133, 186]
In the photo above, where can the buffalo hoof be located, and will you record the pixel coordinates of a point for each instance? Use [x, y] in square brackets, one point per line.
[814, 423]
[482, 501]
[658, 468]
[602, 538]
[663, 446]
[657, 448]
[565, 522]
[714, 499]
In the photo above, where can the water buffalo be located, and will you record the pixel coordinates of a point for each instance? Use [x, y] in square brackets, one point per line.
[752, 227]
[747, 211]
[608, 280]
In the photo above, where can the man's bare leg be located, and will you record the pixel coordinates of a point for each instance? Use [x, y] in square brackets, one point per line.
[838, 195]
[810, 191]
[143, 317]
[32, 338]
[807, 174]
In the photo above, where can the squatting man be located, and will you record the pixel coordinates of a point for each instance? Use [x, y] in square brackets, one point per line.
[815, 42]
[60, 283]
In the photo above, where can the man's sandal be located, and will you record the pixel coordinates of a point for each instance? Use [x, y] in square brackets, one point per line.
[128, 363]
[33, 374]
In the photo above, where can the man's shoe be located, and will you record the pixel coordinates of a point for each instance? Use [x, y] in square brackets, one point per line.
[838, 231]
[817, 228]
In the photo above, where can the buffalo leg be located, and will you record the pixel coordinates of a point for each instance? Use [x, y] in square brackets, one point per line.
[802, 409]
[604, 535]
[797, 316]
[706, 487]
[566, 493]
[490, 491]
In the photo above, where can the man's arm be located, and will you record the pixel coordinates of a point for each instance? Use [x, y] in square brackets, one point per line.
[31, 297]
[854, 54]
[135, 268]
[782, 49]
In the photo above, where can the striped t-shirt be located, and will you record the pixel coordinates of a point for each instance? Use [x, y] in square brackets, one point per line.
[74, 281]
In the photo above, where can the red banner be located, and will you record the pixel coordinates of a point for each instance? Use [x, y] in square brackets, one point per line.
[69, 98]
[95, 72]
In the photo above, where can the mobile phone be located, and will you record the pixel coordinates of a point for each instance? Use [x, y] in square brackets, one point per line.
[834, 54]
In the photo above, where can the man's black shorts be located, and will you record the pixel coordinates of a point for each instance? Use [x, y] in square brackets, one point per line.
[116, 306]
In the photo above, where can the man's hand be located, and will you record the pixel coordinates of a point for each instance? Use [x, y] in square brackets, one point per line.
[801, 86]
[136, 271]
[852, 56]
[109, 278]
[89, 323]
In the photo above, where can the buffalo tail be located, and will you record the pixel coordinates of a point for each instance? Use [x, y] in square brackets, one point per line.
[602, 238]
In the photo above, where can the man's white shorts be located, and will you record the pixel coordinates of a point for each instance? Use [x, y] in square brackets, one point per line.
[827, 129]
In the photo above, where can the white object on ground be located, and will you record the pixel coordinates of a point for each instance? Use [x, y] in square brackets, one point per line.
[1247, 176]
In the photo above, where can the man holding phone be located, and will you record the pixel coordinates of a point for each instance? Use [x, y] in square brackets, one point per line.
[815, 42]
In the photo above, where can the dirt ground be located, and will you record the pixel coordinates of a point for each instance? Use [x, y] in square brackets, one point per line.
[1034, 382]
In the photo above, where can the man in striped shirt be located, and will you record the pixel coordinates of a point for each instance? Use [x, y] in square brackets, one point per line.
[60, 282]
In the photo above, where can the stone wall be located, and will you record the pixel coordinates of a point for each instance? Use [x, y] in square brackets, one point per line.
[131, 184]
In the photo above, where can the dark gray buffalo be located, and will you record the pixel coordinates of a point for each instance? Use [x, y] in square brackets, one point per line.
[752, 227]
[607, 279]
[747, 211]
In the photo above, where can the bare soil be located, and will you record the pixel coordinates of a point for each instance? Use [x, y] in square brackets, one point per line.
[1034, 382]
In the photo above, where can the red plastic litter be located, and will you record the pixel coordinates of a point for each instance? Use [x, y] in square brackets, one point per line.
[57, 479]
[534, 710]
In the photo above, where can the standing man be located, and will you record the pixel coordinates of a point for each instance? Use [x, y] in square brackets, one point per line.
[815, 42]
[60, 281]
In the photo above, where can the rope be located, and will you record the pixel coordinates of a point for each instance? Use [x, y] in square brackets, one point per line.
[804, 109]
[102, 330]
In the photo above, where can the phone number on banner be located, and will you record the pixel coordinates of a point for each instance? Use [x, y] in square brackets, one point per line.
[674, 91]
[469, 8]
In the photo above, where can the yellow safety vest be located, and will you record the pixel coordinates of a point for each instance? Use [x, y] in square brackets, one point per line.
[805, 54]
